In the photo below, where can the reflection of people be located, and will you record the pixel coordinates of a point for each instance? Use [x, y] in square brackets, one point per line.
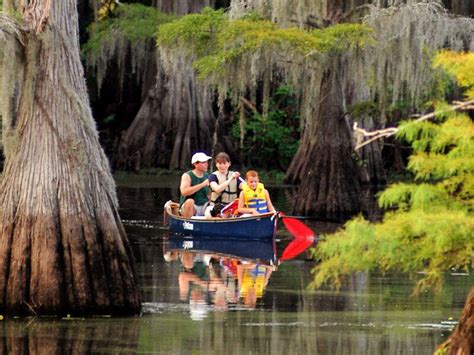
[198, 307]
[194, 187]
[213, 282]
[223, 183]
[252, 280]
[170, 256]
[202, 284]
[254, 198]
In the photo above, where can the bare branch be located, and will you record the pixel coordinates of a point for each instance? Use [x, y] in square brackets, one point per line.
[361, 133]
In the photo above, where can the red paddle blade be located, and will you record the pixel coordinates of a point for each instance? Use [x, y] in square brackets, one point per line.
[230, 208]
[295, 248]
[297, 228]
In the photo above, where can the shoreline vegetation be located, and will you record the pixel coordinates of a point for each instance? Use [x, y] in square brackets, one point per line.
[166, 178]
[170, 178]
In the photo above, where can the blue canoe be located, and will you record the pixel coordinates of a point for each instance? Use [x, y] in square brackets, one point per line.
[262, 251]
[261, 227]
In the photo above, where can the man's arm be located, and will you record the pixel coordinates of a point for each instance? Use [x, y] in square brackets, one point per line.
[185, 186]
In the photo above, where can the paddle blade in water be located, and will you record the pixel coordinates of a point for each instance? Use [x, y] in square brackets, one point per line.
[297, 228]
[296, 247]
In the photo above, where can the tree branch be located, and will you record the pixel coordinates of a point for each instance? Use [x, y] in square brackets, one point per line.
[361, 133]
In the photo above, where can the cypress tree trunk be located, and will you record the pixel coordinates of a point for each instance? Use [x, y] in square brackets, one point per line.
[323, 166]
[461, 341]
[176, 117]
[63, 247]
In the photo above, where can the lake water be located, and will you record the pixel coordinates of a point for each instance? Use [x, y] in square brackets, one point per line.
[206, 308]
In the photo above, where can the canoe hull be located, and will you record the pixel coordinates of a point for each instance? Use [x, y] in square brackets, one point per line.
[261, 227]
[263, 251]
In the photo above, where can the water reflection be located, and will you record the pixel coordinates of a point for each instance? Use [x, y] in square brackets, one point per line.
[372, 313]
[71, 336]
[218, 275]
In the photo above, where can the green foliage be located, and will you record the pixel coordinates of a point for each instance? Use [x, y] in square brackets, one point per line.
[132, 22]
[215, 41]
[429, 228]
[273, 135]
[460, 66]
[196, 32]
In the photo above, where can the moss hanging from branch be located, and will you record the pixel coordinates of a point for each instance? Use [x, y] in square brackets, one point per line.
[10, 72]
[235, 55]
[394, 69]
[398, 68]
[309, 13]
[130, 28]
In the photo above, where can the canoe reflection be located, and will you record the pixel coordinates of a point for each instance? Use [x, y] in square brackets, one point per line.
[217, 275]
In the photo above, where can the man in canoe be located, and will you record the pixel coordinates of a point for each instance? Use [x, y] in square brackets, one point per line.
[223, 182]
[194, 187]
[254, 198]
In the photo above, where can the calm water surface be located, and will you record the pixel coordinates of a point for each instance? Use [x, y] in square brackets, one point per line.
[192, 302]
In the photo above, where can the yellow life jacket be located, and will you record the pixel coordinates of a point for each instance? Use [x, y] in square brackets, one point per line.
[254, 277]
[255, 198]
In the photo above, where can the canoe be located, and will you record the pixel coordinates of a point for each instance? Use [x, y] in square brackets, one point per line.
[260, 251]
[261, 227]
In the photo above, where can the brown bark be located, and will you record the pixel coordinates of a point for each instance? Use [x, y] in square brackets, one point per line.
[461, 341]
[176, 117]
[323, 166]
[63, 247]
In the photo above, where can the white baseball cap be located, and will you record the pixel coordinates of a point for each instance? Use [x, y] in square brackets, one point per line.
[199, 157]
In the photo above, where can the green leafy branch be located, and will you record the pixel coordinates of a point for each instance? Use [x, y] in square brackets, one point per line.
[428, 229]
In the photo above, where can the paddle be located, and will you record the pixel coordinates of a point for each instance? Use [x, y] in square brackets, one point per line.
[230, 208]
[296, 228]
[296, 247]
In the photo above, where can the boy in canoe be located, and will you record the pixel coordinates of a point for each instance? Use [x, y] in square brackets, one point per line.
[254, 198]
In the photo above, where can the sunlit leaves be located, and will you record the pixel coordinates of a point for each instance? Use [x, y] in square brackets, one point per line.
[461, 66]
[441, 150]
[430, 226]
[407, 242]
[196, 32]
[131, 22]
[216, 41]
